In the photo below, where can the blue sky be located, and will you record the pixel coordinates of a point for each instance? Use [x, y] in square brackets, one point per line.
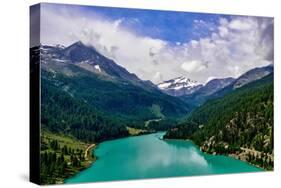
[161, 45]
[166, 25]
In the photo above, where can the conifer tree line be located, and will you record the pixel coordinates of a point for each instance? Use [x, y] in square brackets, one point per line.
[240, 120]
[57, 160]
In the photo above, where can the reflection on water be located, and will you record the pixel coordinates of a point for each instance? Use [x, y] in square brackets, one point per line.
[150, 157]
[166, 155]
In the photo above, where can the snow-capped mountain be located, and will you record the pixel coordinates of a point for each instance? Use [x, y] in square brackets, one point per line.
[219, 87]
[88, 77]
[196, 94]
[88, 58]
[179, 86]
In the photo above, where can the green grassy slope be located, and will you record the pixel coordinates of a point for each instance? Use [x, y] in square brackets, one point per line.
[61, 157]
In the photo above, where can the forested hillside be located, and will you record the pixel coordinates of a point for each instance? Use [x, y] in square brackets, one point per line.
[239, 124]
[89, 77]
[69, 115]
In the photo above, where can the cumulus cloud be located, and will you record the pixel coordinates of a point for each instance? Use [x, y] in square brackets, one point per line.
[138, 54]
[194, 66]
[239, 44]
[243, 25]
[233, 46]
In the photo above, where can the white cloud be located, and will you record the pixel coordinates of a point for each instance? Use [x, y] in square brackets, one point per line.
[241, 24]
[239, 45]
[234, 47]
[193, 66]
[157, 77]
[223, 31]
[66, 26]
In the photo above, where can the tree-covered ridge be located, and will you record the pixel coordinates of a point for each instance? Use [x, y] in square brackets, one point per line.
[66, 114]
[239, 124]
[110, 89]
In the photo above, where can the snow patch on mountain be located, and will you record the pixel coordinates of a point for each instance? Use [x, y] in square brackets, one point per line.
[179, 86]
[97, 67]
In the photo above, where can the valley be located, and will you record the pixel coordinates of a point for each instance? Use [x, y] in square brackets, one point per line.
[90, 100]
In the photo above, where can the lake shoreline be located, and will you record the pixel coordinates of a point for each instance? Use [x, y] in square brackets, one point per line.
[90, 159]
[232, 155]
[133, 132]
[110, 156]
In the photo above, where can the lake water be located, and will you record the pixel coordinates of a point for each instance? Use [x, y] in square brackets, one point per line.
[148, 156]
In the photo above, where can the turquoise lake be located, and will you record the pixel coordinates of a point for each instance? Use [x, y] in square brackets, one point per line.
[148, 156]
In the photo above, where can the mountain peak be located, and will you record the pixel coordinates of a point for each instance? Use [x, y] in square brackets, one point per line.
[78, 51]
[179, 86]
[78, 43]
[181, 80]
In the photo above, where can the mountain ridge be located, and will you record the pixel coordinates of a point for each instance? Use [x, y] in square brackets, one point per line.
[246, 78]
[229, 84]
[109, 88]
[88, 58]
